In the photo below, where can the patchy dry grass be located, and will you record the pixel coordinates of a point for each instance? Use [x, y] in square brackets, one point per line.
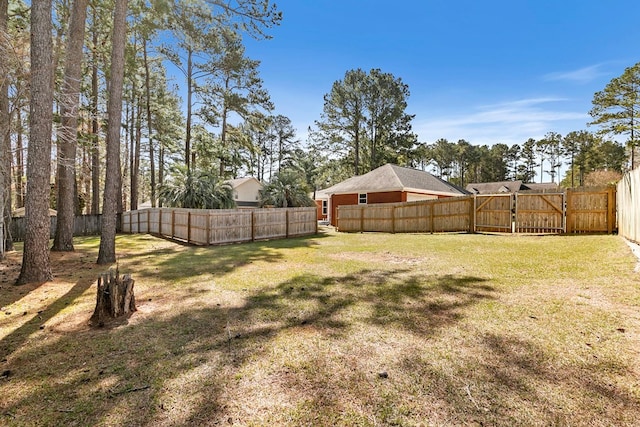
[336, 329]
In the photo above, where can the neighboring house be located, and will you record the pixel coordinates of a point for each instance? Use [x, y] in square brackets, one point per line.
[246, 191]
[386, 184]
[510, 187]
[322, 204]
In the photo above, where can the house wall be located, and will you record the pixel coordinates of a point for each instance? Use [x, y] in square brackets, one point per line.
[319, 214]
[341, 199]
[414, 197]
[382, 197]
[352, 199]
[387, 197]
[248, 192]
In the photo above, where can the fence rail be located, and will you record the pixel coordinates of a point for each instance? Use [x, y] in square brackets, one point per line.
[83, 225]
[628, 199]
[221, 226]
[573, 211]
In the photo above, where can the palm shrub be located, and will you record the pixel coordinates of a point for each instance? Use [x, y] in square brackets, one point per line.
[288, 189]
[199, 189]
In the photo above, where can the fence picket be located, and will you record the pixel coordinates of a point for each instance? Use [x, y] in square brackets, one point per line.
[213, 227]
[583, 211]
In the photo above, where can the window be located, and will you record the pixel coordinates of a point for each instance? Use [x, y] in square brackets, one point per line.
[362, 199]
[325, 204]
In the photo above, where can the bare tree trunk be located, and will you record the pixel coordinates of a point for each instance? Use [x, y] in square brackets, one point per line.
[36, 266]
[135, 157]
[5, 137]
[95, 152]
[68, 129]
[152, 163]
[19, 161]
[187, 141]
[107, 251]
[160, 169]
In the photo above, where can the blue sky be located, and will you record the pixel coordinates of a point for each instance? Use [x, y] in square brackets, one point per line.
[487, 71]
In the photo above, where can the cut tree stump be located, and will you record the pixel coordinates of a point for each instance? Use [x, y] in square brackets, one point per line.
[115, 297]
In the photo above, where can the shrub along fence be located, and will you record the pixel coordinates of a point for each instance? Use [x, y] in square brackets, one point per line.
[629, 206]
[221, 226]
[573, 211]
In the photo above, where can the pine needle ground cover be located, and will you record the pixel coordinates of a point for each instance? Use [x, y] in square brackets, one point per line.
[334, 329]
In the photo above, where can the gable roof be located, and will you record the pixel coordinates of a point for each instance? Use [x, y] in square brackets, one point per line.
[395, 178]
[237, 182]
[542, 187]
[494, 187]
[509, 187]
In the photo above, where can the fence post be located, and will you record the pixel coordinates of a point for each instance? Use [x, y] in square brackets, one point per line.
[286, 217]
[160, 221]
[393, 220]
[433, 205]
[569, 212]
[253, 226]
[361, 219]
[173, 223]
[208, 228]
[611, 209]
[472, 214]
[188, 226]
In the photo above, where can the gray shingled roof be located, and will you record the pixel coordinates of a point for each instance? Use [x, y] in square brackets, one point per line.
[394, 178]
[494, 187]
[509, 187]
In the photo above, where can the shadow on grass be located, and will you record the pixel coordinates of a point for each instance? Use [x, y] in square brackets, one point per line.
[181, 261]
[188, 369]
[18, 337]
[198, 351]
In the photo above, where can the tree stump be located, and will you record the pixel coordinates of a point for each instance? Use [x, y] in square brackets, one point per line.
[115, 297]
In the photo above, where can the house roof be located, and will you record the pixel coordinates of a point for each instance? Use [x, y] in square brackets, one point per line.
[237, 182]
[546, 186]
[494, 187]
[509, 187]
[395, 178]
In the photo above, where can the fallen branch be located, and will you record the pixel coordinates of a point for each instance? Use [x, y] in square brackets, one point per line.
[471, 397]
[130, 390]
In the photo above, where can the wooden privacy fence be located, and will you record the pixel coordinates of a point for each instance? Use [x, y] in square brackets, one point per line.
[221, 226]
[83, 225]
[628, 198]
[427, 216]
[574, 211]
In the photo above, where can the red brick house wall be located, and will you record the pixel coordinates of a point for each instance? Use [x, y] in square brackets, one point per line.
[319, 210]
[352, 199]
[387, 197]
[341, 199]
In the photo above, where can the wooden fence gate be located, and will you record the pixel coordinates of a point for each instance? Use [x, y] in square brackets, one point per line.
[539, 212]
[493, 213]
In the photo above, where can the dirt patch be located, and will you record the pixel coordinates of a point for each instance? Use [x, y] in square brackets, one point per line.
[380, 257]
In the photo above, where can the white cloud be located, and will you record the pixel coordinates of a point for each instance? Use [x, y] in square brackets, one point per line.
[582, 76]
[510, 122]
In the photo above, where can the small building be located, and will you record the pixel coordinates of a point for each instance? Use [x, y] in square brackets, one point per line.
[386, 184]
[322, 204]
[511, 187]
[246, 191]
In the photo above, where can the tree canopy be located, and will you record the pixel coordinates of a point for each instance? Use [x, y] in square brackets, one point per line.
[616, 108]
[364, 120]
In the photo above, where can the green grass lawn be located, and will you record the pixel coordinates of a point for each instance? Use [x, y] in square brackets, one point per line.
[334, 329]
